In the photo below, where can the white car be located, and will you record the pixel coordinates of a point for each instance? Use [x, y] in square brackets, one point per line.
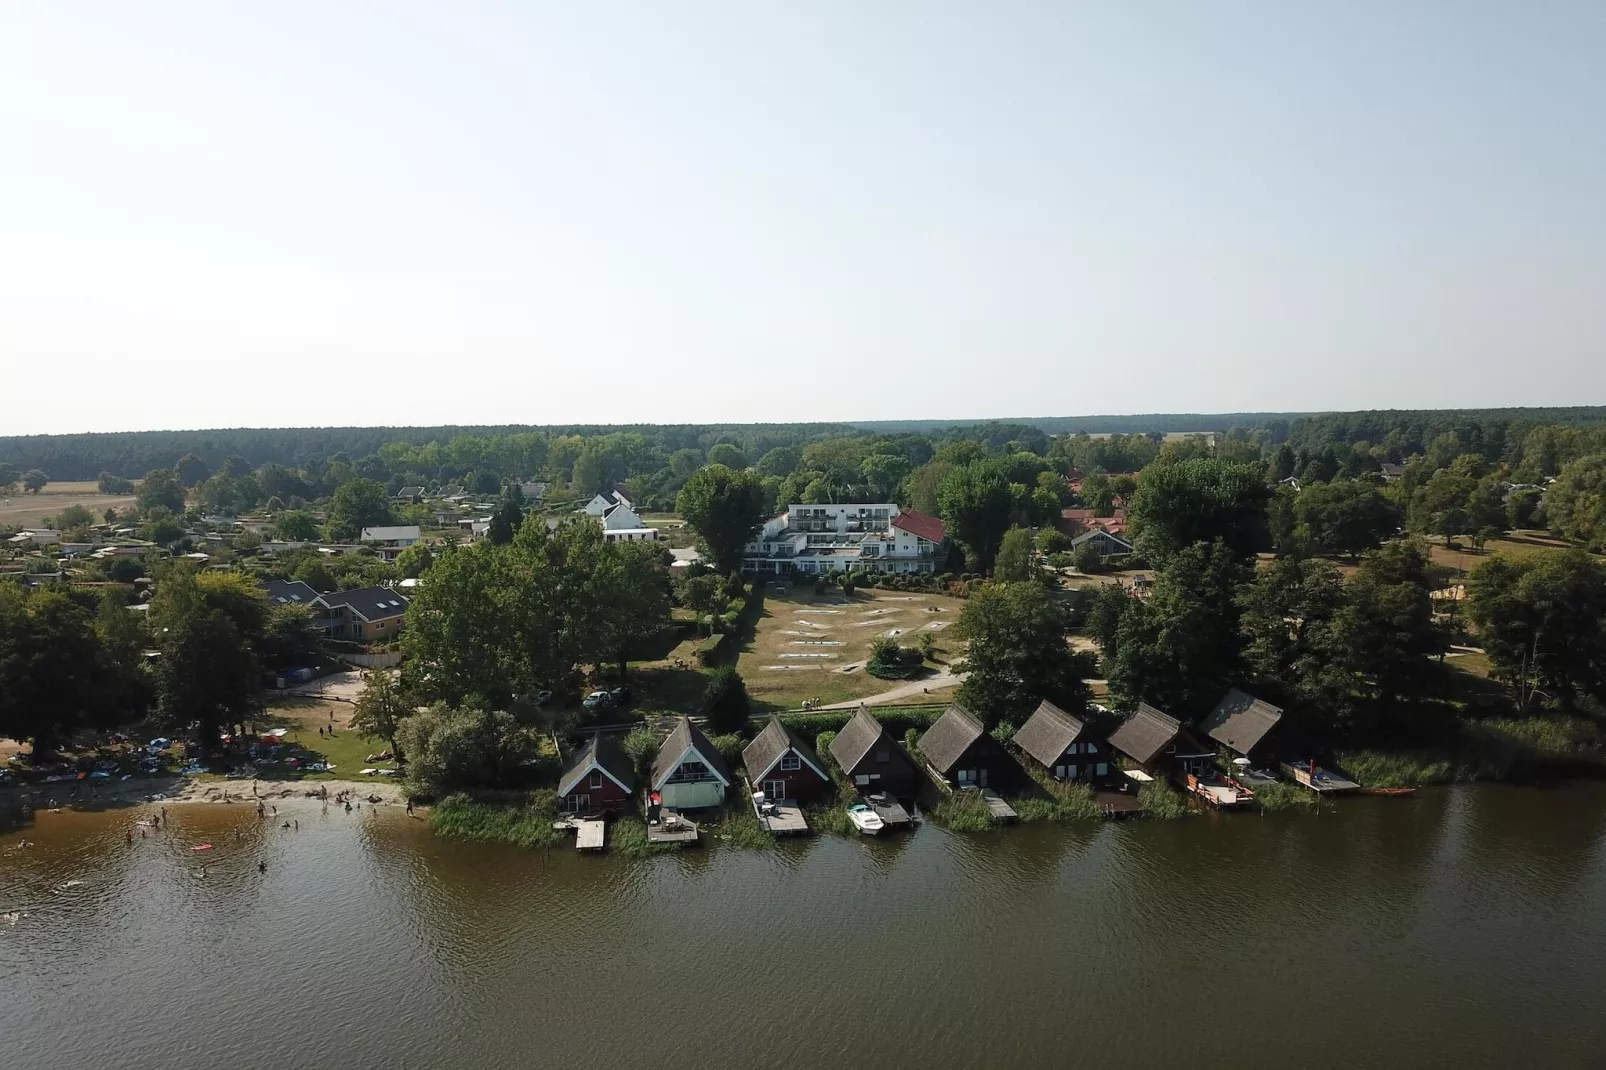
[865, 819]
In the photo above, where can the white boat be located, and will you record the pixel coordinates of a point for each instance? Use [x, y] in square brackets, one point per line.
[865, 819]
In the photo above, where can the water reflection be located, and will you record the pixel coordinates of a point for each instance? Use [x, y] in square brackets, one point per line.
[1460, 927]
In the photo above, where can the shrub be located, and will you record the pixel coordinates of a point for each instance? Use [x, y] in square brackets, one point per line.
[524, 823]
[1158, 800]
[847, 588]
[729, 747]
[822, 745]
[889, 661]
[640, 745]
[819, 585]
[962, 811]
[707, 650]
[911, 738]
[725, 701]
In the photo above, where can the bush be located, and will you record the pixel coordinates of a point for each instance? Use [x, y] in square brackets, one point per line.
[1158, 800]
[1064, 802]
[847, 588]
[819, 585]
[725, 701]
[911, 739]
[822, 745]
[962, 811]
[525, 823]
[729, 747]
[889, 661]
[641, 745]
[707, 650]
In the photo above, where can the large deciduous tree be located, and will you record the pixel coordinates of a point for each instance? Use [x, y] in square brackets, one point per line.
[160, 489]
[1178, 505]
[357, 504]
[725, 508]
[191, 470]
[381, 708]
[1018, 654]
[977, 503]
[1543, 623]
[33, 481]
[1576, 502]
[1344, 516]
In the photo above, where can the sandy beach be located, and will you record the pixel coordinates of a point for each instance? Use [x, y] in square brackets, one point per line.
[170, 791]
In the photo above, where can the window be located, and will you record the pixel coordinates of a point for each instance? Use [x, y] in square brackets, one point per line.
[965, 776]
[790, 763]
[1059, 772]
[882, 756]
[596, 781]
[861, 779]
[1070, 772]
[577, 803]
[1102, 769]
[689, 772]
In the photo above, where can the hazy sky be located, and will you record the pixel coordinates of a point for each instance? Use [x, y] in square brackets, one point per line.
[222, 214]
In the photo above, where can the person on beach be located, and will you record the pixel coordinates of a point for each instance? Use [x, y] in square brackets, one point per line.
[131, 837]
[262, 867]
[409, 808]
[348, 806]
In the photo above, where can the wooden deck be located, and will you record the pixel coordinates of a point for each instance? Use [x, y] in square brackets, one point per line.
[1323, 782]
[590, 834]
[781, 817]
[1116, 803]
[890, 810]
[672, 828]
[997, 807]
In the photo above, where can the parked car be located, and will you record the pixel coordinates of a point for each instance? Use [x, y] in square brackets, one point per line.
[598, 700]
[620, 694]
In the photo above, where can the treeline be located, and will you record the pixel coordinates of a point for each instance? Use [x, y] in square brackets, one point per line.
[190, 663]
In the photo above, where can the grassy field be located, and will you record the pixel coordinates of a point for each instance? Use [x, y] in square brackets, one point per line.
[1518, 545]
[21, 509]
[808, 646]
[343, 748]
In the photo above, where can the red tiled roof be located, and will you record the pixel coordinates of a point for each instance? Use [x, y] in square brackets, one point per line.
[927, 527]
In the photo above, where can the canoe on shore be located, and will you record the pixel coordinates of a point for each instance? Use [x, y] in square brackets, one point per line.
[1388, 791]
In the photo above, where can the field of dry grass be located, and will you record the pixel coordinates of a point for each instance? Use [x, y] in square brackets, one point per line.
[21, 509]
[816, 647]
[1517, 544]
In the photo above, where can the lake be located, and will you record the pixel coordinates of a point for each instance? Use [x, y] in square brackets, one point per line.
[1463, 928]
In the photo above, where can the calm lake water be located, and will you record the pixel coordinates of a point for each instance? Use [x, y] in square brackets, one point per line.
[1465, 928]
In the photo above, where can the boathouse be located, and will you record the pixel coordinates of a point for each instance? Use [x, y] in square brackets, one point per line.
[959, 749]
[599, 780]
[1161, 745]
[782, 766]
[1062, 745]
[872, 759]
[688, 773]
[1241, 723]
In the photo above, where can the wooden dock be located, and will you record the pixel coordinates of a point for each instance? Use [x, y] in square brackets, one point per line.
[997, 807]
[672, 828]
[1321, 781]
[590, 833]
[890, 810]
[781, 817]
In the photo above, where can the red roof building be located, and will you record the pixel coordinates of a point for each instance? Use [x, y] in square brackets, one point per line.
[921, 525]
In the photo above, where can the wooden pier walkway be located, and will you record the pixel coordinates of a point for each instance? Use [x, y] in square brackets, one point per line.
[890, 810]
[672, 828]
[781, 817]
[1322, 782]
[997, 807]
[590, 833]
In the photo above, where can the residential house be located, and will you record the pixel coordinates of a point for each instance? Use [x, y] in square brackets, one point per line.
[534, 493]
[400, 536]
[411, 495]
[782, 766]
[604, 501]
[845, 538]
[1161, 745]
[1392, 471]
[475, 529]
[367, 614]
[1074, 522]
[1242, 722]
[598, 781]
[292, 593]
[959, 748]
[36, 537]
[688, 773]
[450, 491]
[873, 760]
[684, 558]
[1063, 745]
[1104, 543]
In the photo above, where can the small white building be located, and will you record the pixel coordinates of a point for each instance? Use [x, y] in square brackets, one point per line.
[402, 536]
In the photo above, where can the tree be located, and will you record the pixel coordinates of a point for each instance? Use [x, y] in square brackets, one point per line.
[1087, 558]
[381, 708]
[110, 484]
[780, 462]
[977, 502]
[415, 560]
[191, 470]
[160, 489]
[357, 504]
[56, 675]
[1344, 516]
[206, 676]
[684, 462]
[632, 590]
[1014, 561]
[1576, 502]
[1178, 505]
[728, 455]
[725, 509]
[725, 701]
[1018, 655]
[505, 521]
[74, 517]
[290, 639]
[1543, 624]
[8, 475]
[923, 486]
[883, 474]
[295, 525]
[33, 481]
[454, 748]
[1181, 648]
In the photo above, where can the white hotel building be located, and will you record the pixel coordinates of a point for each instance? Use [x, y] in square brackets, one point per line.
[844, 538]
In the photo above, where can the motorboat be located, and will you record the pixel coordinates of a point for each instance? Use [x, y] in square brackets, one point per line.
[865, 819]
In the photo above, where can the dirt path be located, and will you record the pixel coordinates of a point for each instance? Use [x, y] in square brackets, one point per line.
[944, 678]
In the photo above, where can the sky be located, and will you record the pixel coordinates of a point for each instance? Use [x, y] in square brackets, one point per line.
[398, 213]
